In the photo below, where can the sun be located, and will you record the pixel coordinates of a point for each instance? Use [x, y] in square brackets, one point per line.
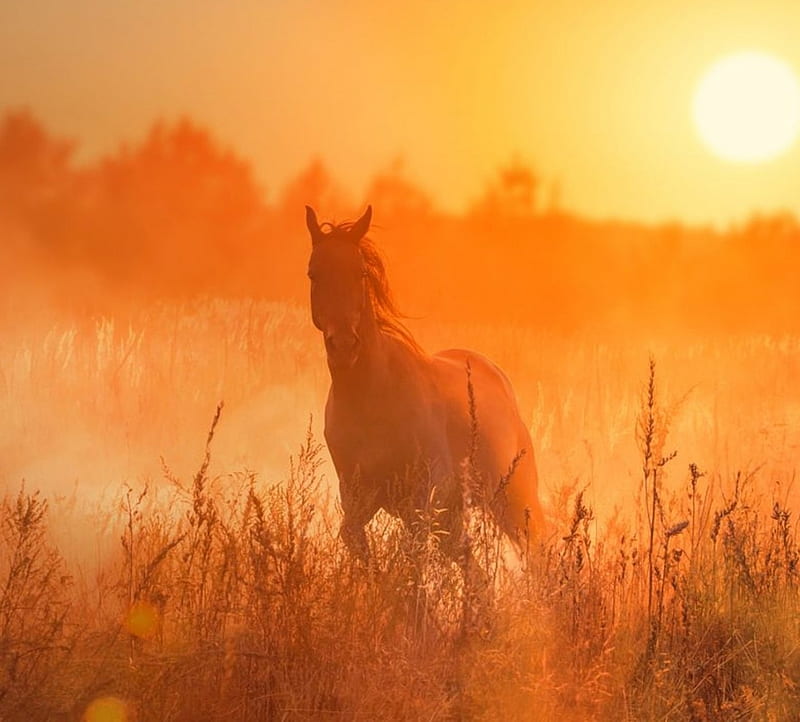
[747, 107]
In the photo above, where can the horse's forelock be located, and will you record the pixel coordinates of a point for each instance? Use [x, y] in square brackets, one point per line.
[335, 231]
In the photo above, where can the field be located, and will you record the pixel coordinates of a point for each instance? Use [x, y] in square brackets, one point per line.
[167, 557]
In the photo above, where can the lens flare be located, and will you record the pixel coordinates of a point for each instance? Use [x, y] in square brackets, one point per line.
[142, 620]
[107, 709]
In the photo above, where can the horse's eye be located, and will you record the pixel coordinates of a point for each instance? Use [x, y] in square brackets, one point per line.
[310, 276]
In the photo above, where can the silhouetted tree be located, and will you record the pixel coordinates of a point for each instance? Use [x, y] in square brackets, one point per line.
[314, 186]
[178, 212]
[399, 200]
[35, 167]
[513, 194]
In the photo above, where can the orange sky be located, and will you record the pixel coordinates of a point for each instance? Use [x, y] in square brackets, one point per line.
[596, 94]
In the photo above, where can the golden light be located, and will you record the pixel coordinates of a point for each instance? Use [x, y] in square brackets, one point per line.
[106, 709]
[142, 619]
[747, 107]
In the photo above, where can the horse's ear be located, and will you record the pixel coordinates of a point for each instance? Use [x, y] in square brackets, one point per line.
[313, 226]
[361, 226]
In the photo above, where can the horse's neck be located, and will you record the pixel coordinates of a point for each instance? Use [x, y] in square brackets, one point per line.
[381, 366]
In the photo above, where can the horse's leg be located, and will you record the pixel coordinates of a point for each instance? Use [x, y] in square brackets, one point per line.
[354, 538]
[476, 601]
[358, 510]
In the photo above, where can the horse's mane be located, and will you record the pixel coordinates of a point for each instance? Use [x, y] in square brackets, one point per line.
[387, 316]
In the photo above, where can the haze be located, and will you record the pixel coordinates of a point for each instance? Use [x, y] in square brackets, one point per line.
[594, 95]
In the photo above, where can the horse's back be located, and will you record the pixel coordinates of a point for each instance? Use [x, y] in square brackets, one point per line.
[502, 434]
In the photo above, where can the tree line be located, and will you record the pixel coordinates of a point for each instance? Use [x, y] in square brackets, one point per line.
[179, 215]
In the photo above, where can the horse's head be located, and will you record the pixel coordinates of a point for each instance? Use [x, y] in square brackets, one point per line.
[339, 296]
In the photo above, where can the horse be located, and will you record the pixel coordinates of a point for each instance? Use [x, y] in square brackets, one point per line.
[399, 422]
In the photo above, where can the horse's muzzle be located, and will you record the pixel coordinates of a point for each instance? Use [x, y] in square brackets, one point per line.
[342, 348]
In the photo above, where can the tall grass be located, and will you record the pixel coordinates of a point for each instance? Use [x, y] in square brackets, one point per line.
[217, 594]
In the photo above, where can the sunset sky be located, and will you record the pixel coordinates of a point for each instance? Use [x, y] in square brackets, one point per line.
[595, 94]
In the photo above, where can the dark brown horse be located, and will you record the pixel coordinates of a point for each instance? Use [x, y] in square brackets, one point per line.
[394, 410]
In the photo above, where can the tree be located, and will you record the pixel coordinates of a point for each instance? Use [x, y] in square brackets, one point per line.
[512, 195]
[178, 212]
[35, 168]
[398, 200]
[314, 186]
